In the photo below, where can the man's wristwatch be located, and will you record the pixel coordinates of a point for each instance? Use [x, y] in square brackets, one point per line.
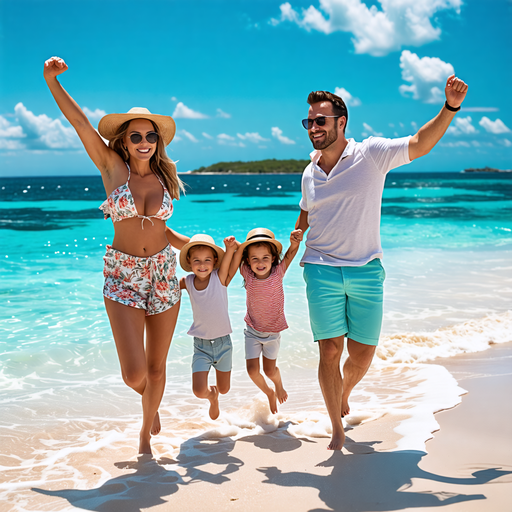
[450, 108]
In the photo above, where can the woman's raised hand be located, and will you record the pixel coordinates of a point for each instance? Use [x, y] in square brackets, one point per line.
[53, 67]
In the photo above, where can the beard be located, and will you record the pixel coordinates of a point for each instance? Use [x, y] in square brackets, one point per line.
[330, 137]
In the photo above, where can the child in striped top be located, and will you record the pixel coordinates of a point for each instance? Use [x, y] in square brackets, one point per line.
[258, 259]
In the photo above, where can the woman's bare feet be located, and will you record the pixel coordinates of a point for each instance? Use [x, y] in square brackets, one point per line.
[272, 401]
[156, 427]
[214, 403]
[337, 440]
[145, 445]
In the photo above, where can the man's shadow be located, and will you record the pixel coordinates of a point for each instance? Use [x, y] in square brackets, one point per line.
[152, 482]
[363, 481]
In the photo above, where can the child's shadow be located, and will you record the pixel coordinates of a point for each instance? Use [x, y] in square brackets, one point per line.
[152, 482]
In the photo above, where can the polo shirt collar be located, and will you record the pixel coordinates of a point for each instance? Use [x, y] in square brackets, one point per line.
[348, 151]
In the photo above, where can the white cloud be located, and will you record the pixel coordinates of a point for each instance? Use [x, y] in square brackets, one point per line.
[11, 144]
[497, 126]
[8, 131]
[459, 143]
[424, 74]
[183, 112]
[228, 140]
[223, 114]
[505, 142]
[177, 138]
[188, 135]
[94, 115]
[350, 100]
[479, 109]
[43, 132]
[370, 131]
[414, 125]
[461, 125]
[173, 98]
[254, 137]
[207, 135]
[278, 134]
[225, 136]
[376, 31]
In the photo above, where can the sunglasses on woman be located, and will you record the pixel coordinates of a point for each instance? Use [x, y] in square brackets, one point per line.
[151, 137]
[320, 121]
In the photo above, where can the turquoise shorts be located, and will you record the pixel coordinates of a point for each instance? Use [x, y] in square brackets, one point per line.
[345, 301]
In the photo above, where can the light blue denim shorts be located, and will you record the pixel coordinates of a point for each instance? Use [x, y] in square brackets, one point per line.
[345, 301]
[217, 353]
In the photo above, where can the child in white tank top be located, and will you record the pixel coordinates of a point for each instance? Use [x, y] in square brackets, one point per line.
[207, 288]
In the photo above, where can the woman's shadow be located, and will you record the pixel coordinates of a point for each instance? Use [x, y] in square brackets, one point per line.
[152, 482]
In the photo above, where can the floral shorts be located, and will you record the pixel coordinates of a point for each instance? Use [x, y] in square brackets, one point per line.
[143, 283]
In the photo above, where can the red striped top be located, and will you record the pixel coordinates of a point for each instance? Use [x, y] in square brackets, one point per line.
[265, 299]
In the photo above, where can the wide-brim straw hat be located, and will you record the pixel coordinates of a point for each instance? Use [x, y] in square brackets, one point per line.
[200, 240]
[261, 235]
[109, 124]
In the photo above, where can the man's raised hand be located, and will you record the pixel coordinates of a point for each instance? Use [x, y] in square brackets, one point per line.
[455, 91]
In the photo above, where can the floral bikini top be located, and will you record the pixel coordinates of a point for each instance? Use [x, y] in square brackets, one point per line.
[120, 205]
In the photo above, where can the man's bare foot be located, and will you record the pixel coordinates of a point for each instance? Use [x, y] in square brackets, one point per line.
[337, 440]
[281, 394]
[345, 408]
[145, 445]
[156, 427]
[272, 401]
[214, 404]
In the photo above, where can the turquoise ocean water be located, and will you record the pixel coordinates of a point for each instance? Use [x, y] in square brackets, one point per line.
[447, 242]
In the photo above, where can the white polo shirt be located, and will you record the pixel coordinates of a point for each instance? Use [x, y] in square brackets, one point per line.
[344, 206]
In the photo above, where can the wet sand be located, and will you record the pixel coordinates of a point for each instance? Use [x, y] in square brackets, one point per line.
[468, 466]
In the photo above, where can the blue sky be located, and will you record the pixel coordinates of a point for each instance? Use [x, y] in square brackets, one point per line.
[236, 75]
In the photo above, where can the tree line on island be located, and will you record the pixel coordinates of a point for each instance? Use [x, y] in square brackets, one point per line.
[271, 166]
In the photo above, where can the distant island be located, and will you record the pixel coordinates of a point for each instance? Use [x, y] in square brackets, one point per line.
[271, 166]
[486, 169]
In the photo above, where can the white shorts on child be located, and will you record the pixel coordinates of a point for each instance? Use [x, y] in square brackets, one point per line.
[257, 342]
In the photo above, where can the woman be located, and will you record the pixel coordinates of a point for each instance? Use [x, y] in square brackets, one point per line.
[141, 290]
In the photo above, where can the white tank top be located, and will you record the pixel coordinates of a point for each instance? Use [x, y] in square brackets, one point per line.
[209, 308]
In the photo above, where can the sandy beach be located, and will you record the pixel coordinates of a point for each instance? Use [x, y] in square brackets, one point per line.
[468, 466]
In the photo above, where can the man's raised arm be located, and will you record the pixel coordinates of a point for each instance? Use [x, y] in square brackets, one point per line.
[430, 134]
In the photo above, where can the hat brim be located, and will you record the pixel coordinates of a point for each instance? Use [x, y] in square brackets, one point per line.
[186, 248]
[109, 124]
[255, 240]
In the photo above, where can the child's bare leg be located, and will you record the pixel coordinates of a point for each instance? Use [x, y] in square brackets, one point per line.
[273, 373]
[253, 369]
[201, 389]
[223, 381]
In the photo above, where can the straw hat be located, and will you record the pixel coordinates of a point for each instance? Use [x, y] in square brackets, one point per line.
[261, 235]
[200, 240]
[110, 123]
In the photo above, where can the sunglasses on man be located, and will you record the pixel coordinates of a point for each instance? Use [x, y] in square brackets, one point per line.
[320, 121]
[151, 137]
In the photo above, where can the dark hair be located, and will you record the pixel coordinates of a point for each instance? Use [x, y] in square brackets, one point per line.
[338, 105]
[276, 256]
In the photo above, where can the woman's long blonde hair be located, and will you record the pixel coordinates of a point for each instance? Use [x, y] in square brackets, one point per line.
[160, 163]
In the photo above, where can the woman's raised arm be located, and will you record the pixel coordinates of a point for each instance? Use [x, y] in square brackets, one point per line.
[103, 157]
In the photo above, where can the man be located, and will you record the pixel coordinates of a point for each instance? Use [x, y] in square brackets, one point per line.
[341, 201]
